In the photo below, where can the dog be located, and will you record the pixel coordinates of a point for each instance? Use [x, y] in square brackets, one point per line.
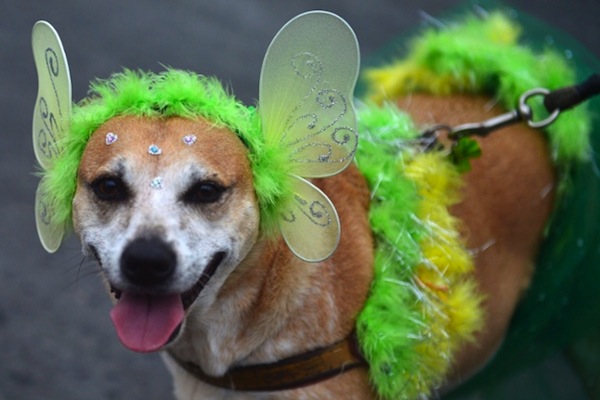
[168, 207]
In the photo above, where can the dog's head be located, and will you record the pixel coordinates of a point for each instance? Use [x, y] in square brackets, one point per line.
[167, 207]
[170, 181]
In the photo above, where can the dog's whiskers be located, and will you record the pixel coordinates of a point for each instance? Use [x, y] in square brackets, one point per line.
[86, 267]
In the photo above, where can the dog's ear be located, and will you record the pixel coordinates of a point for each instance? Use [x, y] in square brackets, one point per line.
[51, 117]
[305, 104]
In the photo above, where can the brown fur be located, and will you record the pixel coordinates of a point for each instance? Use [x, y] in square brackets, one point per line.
[274, 305]
[288, 301]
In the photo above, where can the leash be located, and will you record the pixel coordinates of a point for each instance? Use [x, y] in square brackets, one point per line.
[554, 102]
[290, 373]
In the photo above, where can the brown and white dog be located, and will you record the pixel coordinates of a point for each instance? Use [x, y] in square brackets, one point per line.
[260, 305]
[251, 301]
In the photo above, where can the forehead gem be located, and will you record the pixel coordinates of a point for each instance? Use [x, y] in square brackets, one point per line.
[111, 138]
[189, 139]
[156, 183]
[154, 150]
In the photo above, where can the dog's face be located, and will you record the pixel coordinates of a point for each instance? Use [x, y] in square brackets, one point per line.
[167, 206]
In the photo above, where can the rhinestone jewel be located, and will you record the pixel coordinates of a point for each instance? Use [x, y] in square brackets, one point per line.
[154, 150]
[111, 138]
[156, 183]
[189, 139]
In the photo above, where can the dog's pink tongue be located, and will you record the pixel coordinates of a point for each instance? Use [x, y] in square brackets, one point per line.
[146, 323]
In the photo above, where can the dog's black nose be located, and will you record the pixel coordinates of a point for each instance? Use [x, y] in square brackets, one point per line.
[148, 262]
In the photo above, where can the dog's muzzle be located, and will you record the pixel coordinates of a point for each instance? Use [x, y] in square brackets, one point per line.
[148, 316]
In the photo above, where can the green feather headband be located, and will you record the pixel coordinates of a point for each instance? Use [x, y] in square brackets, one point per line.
[172, 93]
[304, 128]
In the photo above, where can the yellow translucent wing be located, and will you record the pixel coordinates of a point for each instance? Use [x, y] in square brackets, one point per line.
[306, 89]
[51, 234]
[305, 103]
[310, 225]
[50, 120]
[53, 104]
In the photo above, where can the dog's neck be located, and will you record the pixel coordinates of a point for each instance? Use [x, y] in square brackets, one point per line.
[274, 305]
[262, 312]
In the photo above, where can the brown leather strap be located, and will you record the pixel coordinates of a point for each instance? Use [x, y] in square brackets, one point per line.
[290, 373]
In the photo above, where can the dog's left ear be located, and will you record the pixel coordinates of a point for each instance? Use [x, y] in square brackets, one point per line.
[305, 104]
[51, 117]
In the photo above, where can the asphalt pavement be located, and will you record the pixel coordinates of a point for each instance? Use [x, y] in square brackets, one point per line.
[56, 339]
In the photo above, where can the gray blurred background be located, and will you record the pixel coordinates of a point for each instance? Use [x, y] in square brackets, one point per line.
[56, 339]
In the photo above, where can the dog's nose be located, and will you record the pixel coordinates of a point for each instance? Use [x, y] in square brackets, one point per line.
[148, 261]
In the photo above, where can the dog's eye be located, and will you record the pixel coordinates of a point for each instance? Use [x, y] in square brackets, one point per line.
[203, 192]
[110, 189]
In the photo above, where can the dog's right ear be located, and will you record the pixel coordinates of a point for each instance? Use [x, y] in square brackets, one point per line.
[51, 117]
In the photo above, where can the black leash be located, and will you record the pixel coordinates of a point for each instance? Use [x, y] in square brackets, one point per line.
[566, 98]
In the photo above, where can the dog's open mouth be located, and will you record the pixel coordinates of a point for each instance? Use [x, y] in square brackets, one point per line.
[148, 322]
